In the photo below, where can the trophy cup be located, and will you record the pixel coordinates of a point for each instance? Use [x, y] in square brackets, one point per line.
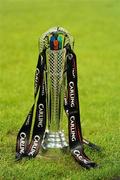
[54, 41]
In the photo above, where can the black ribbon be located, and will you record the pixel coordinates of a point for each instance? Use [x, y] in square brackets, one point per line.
[25, 147]
[74, 126]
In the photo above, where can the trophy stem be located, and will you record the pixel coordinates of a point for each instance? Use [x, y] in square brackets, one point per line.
[55, 84]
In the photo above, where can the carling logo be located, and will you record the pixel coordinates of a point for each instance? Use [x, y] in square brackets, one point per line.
[34, 146]
[22, 142]
[72, 95]
[79, 156]
[72, 128]
[40, 115]
[36, 78]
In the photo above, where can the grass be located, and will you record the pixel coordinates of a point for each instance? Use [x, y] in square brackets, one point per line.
[96, 28]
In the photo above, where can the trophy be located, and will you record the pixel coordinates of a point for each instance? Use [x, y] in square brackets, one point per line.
[55, 81]
[55, 89]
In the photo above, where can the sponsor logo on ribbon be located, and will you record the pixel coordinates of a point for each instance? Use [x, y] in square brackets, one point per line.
[22, 142]
[72, 128]
[79, 156]
[72, 95]
[40, 115]
[36, 78]
[35, 145]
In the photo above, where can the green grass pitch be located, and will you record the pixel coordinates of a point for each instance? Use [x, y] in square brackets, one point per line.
[95, 25]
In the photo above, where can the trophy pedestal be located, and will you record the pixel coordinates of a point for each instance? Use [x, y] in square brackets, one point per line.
[54, 140]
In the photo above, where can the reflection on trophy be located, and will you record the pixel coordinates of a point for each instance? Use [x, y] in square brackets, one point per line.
[54, 41]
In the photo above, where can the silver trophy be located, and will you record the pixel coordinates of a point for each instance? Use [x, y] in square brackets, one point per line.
[54, 42]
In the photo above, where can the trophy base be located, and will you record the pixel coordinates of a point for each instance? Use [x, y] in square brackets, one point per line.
[55, 140]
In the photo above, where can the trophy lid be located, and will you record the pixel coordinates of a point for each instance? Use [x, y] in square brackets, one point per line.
[55, 38]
